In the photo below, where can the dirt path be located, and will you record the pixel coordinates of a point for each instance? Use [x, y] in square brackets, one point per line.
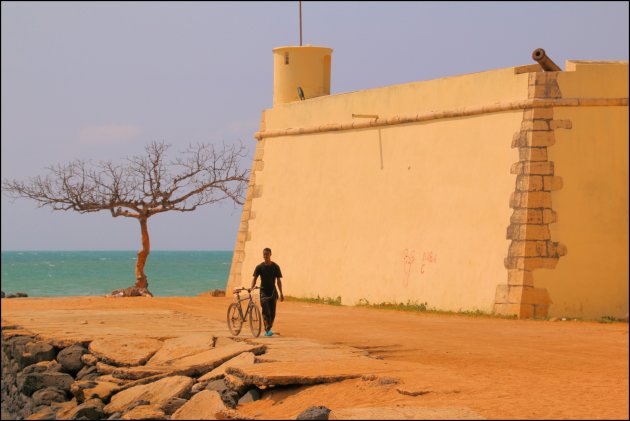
[498, 368]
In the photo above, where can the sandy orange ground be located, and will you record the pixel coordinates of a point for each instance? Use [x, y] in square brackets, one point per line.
[499, 368]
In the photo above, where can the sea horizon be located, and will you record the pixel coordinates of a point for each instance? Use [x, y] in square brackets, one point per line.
[49, 273]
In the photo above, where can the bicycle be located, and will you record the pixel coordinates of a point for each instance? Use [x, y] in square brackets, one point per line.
[236, 317]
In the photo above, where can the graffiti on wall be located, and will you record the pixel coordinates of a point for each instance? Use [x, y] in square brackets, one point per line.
[408, 259]
[424, 262]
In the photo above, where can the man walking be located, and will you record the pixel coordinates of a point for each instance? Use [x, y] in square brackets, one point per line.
[268, 271]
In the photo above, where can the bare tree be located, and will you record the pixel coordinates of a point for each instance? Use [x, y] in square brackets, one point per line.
[144, 186]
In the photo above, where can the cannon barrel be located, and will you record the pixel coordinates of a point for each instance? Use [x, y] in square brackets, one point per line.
[545, 62]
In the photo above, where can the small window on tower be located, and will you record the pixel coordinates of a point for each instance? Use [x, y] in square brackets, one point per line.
[286, 58]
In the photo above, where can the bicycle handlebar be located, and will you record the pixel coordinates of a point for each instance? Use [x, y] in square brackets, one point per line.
[238, 290]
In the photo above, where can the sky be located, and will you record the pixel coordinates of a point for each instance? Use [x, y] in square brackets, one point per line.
[100, 80]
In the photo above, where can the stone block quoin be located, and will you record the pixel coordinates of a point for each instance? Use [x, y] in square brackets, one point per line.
[254, 190]
[531, 246]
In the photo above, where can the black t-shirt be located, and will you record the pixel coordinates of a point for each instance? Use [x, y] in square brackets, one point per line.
[268, 275]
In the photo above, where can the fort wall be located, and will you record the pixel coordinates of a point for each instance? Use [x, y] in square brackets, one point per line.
[447, 192]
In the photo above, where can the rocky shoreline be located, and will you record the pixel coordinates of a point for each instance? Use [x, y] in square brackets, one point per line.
[57, 380]
[198, 376]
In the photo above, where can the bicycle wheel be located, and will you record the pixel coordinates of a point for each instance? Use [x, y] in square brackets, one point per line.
[234, 319]
[254, 320]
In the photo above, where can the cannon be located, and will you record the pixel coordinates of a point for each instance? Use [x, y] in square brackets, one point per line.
[545, 62]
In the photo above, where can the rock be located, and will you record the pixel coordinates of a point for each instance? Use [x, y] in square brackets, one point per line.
[102, 391]
[103, 368]
[111, 379]
[64, 409]
[140, 372]
[89, 359]
[16, 345]
[47, 395]
[3, 295]
[21, 294]
[241, 360]
[212, 293]
[303, 372]
[70, 358]
[137, 403]
[180, 347]
[29, 383]
[42, 366]
[35, 352]
[205, 361]
[78, 386]
[11, 296]
[230, 414]
[145, 412]
[314, 413]
[235, 383]
[124, 351]
[115, 416]
[172, 405]
[203, 406]
[230, 398]
[197, 387]
[84, 390]
[45, 413]
[91, 410]
[157, 393]
[87, 373]
[131, 292]
[250, 396]
[216, 385]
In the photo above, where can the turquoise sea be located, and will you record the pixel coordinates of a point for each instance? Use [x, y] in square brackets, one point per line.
[71, 273]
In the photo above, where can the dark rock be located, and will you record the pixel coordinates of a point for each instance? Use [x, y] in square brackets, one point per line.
[88, 373]
[2, 294]
[41, 367]
[35, 352]
[131, 292]
[47, 395]
[91, 409]
[229, 398]
[29, 383]
[314, 413]
[70, 358]
[250, 396]
[11, 296]
[21, 294]
[78, 386]
[16, 345]
[172, 405]
[217, 385]
[137, 403]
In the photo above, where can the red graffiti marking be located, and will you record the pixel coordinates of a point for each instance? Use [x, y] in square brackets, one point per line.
[408, 260]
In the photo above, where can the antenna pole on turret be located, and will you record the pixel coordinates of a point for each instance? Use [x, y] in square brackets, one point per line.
[300, 24]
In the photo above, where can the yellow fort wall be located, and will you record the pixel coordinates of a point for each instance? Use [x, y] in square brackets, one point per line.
[443, 192]
[592, 205]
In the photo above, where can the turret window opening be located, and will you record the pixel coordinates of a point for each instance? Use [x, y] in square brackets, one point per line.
[286, 58]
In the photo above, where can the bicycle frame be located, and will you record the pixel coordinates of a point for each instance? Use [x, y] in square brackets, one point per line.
[250, 303]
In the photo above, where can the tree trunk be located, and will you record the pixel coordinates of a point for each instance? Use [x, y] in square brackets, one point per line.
[141, 278]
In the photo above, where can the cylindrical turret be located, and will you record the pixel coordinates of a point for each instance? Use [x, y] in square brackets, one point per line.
[306, 68]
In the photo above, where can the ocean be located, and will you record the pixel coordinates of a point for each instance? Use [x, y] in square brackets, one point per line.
[72, 273]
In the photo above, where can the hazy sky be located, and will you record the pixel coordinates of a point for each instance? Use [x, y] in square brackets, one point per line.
[99, 80]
